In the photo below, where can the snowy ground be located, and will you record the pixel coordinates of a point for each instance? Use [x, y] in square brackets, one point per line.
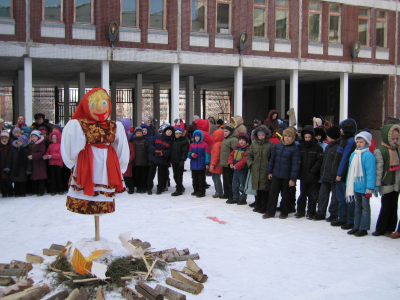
[246, 258]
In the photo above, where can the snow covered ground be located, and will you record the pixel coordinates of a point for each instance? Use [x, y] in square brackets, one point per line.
[246, 258]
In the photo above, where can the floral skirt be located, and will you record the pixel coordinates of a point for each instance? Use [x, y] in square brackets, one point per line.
[87, 207]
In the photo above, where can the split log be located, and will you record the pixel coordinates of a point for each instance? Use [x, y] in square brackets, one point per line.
[193, 266]
[34, 259]
[73, 295]
[160, 253]
[57, 247]
[51, 252]
[33, 293]
[4, 281]
[17, 287]
[87, 280]
[182, 286]
[130, 294]
[83, 294]
[15, 269]
[196, 276]
[100, 294]
[148, 292]
[186, 279]
[59, 296]
[169, 294]
[182, 258]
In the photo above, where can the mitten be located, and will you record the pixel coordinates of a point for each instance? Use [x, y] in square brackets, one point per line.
[162, 153]
[211, 167]
[30, 156]
[194, 155]
[376, 191]
[7, 170]
[368, 193]
[181, 163]
[49, 156]
[45, 157]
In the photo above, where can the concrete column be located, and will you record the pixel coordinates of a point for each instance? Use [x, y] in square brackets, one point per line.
[280, 98]
[174, 92]
[20, 93]
[197, 102]
[113, 98]
[156, 103]
[28, 89]
[294, 93]
[238, 92]
[81, 85]
[137, 118]
[189, 99]
[66, 102]
[105, 75]
[344, 96]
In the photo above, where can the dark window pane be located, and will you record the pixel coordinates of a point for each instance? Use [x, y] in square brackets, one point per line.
[381, 14]
[5, 8]
[334, 29]
[315, 6]
[223, 18]
[83, 11]
[363, 12]
[157, 14]
[363, 31]
[259, 21]
[281, 24]
[198, 15]
[52, 10]
[259, 1]
[334, 8]
[380, 34]
[314, 27]
[129, 13]
[282, 3]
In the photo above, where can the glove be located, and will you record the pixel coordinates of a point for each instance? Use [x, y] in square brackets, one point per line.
[376, 191]
[207, 167]
[181, 163]
[49, 156]
[45, 157]
[211, 167]
[194, 155]
[368, 193]
[7, 170]
[30, 156]
[157, 152]
[28, 173]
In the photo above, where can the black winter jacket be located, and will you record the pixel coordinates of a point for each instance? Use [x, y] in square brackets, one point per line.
[285, 162]
[346, 146]
[179, 150]
[329, 169]
[141, 146]
[18, 163]
[311, 157]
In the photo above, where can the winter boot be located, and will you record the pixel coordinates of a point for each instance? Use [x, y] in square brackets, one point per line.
[176, 193]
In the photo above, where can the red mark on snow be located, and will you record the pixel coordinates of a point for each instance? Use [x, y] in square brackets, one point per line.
[215, 219]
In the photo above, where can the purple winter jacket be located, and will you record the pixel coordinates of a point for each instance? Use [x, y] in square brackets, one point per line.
[39, 168]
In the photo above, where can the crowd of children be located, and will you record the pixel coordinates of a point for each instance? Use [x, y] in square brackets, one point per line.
[338, 170]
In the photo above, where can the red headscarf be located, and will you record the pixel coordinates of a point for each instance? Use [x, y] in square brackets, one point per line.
[82, 111]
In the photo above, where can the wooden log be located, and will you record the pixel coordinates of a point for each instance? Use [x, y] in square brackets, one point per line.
[193, 266]
[148, 292]
[4, 281]
[34, 259]
[97, 228]
[169, 294]
[19, 286]
[159, 253]
[33, 293]
[59, 296]
[196, 276]
[57, 247]
[184, 252]
[100, 294]
[15, 269]
[182, 286]
[83, 294]
[73, 295]
[130, 294]
[183, 258]
[50, 252]
[186, 279]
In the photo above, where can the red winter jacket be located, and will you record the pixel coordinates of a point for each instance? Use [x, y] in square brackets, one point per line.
[128, 172]
[274, 123]
[55, 150]
[274, 139]
[218, 138]
[204, 126]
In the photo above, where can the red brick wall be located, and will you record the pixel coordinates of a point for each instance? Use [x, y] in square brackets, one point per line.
[19, 16]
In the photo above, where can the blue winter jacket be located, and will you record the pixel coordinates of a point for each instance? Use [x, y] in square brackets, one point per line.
[161, 142]
[368, 163]
[285, 161]
[202, 150]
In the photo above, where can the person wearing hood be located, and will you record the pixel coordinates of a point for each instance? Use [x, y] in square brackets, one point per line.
[258, 158]
[199, 155]
[388, 180]
[41, 121]
[229, 143]
[140, 161]
[37, 149]
[17, 166]
[237, 122]
[215, 167]
[26, 130]
[320, 137]
[213, 124]
[127, 125]
[192, 127]
[5, 147]
[160, 150]
[204, 126]
[272, 120]
[220, 124]
[347, 145]
[146, 131]
[53, 155]
[179, 152]
[274, 138]
[149, 123]
[373, 144]
[311, 160]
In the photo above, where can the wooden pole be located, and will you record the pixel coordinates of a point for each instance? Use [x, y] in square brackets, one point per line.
[97, 228]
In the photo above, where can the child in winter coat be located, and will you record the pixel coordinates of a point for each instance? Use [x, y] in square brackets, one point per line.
[146, 132]
[37, 150]
[5, 147]
[17, 165]
[388, 180]
[179, 152]
[199, 155]
[140, 162]
[26, 130]
[53, 155]
[16, 133]
[128, 178]
[311, 160]
[360, 185]
[237, 162]
[320, 137]
[215, 167]
[283, 171]
[229, 143]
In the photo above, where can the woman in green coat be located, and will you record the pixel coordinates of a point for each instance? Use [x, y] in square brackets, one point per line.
[257, 160]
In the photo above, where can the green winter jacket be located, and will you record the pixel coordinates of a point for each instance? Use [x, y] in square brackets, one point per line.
[389, 181]
[229, 143]
[257, 159]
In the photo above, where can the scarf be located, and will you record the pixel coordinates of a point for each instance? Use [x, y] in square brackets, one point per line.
[355, 174]
[394, 162]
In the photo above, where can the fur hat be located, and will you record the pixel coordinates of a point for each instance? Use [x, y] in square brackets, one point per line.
[4, 133]
[333, 132]
[366, 136]
[244, 136]
[290, 132]
[37, 133]
[38, 116]
[16, 130]
[229, 126]
[179, 130]
[24, 140]
[138, 129]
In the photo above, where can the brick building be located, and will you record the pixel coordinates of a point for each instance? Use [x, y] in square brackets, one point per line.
[298, 54]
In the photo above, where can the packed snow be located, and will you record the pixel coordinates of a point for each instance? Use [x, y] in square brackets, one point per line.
[244, 256]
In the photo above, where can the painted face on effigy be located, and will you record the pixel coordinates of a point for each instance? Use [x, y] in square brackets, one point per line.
[99, 106]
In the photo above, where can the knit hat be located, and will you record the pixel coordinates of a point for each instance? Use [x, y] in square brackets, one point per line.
[138, 129]
[58, 127]
[24, 139]
[244, 136]
[4, 133]
[333, 132]
[37, 133]
[176, 120]
[261, 132]
[196, 117]
[26, 129]
[179, 130]
[229, 126]
[366, 136]
[42, 129]
[255, 121]
[317, 122]
[16, 130]
[220, 122]
[145, 120]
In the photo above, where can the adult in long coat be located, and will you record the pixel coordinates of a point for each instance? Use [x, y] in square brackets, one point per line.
[272, 119]
[213, 125]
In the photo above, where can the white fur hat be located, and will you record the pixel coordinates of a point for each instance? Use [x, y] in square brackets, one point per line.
[366, 136]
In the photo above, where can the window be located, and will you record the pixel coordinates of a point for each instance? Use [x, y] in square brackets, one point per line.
[83, 11]
[282, 14]
[260, 18]
[363, 26]
[223, 17]
[5, 9]
[199, 9]
[380, 28]
[157, 18]
[129, 13]
[52, 10]
[314, 25]
[334, 23]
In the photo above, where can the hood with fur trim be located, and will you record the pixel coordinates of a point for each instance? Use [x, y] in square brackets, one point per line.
[261, 128]
[57, 134]
[237, 121]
